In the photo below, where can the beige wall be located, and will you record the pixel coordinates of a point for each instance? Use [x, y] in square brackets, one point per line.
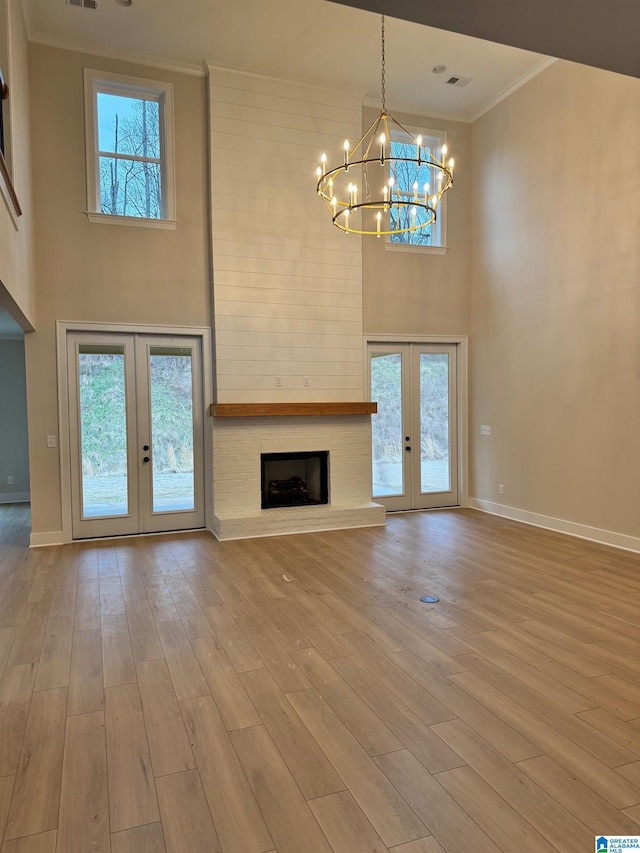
[555, 348]
[17, 278]
[409, 293]
[103, 273]
[14, 450]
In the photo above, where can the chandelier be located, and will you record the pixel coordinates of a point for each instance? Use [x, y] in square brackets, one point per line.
[388, 183]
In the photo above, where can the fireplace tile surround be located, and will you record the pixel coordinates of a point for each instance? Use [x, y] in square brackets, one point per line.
[237, 446]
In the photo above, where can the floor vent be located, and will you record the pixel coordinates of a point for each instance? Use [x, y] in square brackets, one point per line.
[84, 4]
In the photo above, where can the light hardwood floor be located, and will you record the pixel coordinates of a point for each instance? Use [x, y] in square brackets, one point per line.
[292, 694]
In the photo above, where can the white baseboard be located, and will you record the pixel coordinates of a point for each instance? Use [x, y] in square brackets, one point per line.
[571, 528]
[14, 497]
[51, 537]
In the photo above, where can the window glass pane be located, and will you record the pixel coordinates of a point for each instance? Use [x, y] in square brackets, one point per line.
[406, 175]
[130, 188]
[170, 377]
[128, 125]
[435, 474]
[103, 432]
[386, 425]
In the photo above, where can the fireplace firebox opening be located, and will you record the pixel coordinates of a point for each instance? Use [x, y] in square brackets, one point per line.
[294, 479]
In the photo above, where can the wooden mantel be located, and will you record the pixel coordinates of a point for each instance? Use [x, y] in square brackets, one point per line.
[279, 410]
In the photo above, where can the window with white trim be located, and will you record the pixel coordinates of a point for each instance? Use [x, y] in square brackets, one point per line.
[411, 178]
[129, 139]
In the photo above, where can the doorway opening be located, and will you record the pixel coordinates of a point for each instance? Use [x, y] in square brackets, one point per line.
[136, 448]
[415, 431]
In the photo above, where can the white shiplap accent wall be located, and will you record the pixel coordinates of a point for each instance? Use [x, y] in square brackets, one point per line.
[287, 284]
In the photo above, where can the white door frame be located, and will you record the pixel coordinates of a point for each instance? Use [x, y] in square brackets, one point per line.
[462, 344]
[62, 328]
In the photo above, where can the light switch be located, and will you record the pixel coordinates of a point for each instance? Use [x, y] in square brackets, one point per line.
[485, 429]
[51, 441]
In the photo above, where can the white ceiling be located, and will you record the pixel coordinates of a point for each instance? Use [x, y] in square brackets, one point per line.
[313, 40]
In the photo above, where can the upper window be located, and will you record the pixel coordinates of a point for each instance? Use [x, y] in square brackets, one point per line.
[129, 132]
[411, 178]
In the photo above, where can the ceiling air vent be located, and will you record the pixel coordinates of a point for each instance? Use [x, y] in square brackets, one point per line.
[84, 4]
[457, 81]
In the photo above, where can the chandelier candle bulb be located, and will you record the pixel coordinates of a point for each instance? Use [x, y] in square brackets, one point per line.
[451, 166]
[419, 149]
[426, 193]
[382, 141]
[346, 222]
[415, 191]
[346, 155]
[323, 163]
[378, 218]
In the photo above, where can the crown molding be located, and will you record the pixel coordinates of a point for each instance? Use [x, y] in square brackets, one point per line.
[94, 49]
[509, 90]
[419, 110]
[307, 82]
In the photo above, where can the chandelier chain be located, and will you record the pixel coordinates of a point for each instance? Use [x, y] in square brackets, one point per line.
[384, 105]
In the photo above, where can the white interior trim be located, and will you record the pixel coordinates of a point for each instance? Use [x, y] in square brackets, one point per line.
[64, 448]
[560, 525]
[14, 497]
[81, 46]
[462, 343]
[43, 540]
[308, 83]
[136, 221]
[158, 90]
[541, 66]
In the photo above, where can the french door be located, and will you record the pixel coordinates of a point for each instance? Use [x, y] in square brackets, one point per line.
[415, 443]
[136, 433]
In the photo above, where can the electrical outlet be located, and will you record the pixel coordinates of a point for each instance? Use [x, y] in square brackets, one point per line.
[485, 429]
[51, 441]
[278, 381]
[9, 480]
[501, 489]
[306, 382]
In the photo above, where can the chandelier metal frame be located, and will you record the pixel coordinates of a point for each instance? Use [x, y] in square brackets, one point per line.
[342, 201]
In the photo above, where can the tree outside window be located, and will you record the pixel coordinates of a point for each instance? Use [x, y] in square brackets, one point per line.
[129, 156]
[410, 177]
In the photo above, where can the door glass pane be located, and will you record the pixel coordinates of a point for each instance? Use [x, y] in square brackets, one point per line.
[435, 473]
[386, 425]
[103, 431]
[170, 378]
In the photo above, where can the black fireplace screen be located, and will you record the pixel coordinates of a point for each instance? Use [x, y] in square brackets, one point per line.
[295, 479]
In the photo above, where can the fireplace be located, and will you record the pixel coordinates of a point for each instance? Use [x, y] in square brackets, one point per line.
[294, 479]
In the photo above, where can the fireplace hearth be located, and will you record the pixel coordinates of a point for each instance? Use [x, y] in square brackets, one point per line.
[294, 479]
